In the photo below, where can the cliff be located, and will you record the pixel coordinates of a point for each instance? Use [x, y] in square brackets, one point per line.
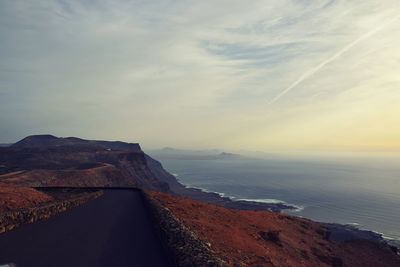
[45, 160]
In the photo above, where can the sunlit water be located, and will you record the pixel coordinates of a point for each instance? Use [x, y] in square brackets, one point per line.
[363, 191]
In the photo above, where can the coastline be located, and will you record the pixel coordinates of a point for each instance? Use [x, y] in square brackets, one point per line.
[338, 232]
[219, 198]
[348, 232]
[273, 203]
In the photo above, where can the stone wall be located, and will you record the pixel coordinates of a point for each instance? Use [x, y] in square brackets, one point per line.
[184, 247]
[12, 219]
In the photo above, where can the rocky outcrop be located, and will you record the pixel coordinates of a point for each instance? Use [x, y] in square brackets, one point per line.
[12, 219]
[185, 248]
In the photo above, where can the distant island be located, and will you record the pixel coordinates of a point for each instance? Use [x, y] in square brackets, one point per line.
[185, 154]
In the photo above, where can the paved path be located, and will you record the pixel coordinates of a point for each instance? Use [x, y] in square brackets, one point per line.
[113, 230]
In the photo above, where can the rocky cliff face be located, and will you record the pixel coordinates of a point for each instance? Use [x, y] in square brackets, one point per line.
[45, 160]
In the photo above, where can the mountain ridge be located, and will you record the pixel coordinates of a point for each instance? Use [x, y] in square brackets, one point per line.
[48, 140]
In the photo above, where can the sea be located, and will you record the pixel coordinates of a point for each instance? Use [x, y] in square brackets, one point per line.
[362, 190]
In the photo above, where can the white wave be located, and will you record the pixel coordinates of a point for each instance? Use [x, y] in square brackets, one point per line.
[354, 224]
[384, 236]
[361, 227]
[206, 190]
[296, 208]
[262, 200]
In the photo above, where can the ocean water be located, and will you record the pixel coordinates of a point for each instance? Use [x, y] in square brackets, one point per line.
[360, 190]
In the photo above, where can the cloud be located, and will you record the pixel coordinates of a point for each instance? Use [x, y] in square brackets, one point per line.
[193, 73]
[337, 55]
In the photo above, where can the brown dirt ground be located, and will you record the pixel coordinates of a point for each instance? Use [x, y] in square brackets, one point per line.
[12, 197]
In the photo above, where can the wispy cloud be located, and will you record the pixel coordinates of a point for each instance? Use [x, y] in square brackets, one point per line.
[192, 73]
[317, 68]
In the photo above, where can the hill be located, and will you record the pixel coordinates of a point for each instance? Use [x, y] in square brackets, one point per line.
[46, 160]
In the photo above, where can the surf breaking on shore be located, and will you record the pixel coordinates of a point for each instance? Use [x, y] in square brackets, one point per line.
[292, 207]
[348, 227]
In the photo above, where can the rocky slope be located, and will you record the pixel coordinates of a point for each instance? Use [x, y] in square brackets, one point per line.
[261, 238]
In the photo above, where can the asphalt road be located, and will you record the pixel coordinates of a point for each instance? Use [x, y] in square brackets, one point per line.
[113, 230]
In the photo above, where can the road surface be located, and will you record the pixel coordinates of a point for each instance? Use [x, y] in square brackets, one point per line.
[112, 230]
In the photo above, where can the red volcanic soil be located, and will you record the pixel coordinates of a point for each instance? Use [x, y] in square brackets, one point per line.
[12, 197]
[260, 238]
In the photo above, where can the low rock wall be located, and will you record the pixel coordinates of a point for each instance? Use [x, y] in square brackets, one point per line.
[184, 247]
[13, 219]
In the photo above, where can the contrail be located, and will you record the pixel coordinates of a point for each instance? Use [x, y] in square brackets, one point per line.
[329, 60]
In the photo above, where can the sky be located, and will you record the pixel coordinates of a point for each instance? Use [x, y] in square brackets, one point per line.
[256, 75]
